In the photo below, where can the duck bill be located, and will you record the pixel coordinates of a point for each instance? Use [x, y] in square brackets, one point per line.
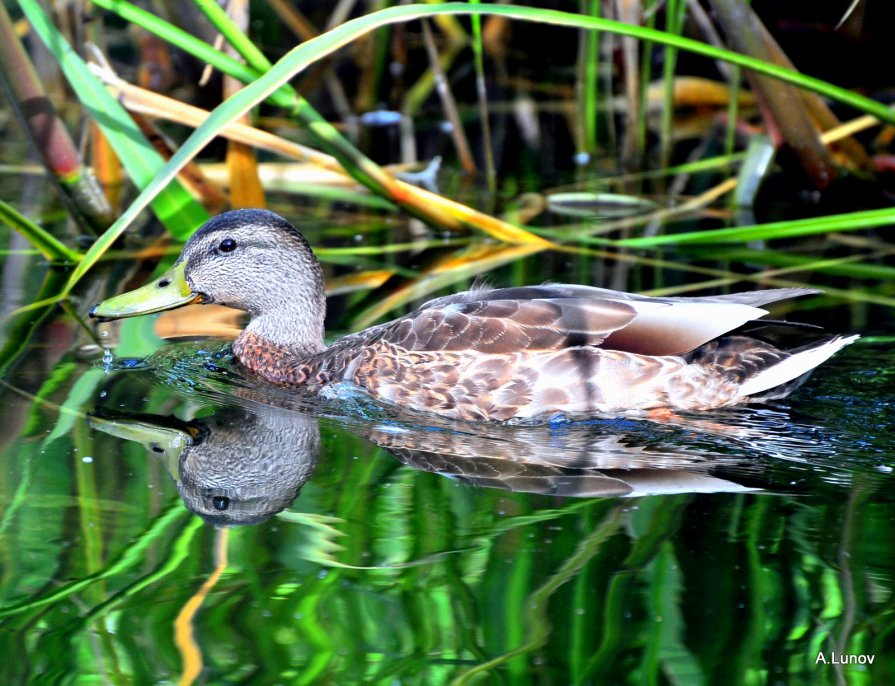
[164, 437]
[167, 292]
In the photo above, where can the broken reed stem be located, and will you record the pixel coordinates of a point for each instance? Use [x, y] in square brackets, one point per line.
[29, 100]
[450, 214]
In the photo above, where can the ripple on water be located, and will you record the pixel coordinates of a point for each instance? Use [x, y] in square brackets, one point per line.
[833, 432]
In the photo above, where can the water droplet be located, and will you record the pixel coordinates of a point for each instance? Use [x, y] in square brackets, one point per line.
[87, 459]
[108, 360]
[104, 333]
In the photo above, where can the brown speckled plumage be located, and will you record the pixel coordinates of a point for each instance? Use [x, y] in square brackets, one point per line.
[494, 354]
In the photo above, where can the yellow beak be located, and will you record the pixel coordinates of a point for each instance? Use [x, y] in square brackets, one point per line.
[167, 292]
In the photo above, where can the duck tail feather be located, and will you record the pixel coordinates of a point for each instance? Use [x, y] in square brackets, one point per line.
[759, 298]
[797, 364]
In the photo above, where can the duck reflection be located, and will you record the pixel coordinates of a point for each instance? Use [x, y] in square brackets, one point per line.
[236, 467]
[244, 464]
[583, 462]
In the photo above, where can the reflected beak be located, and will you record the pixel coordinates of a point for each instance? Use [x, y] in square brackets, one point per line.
[147, 429]
[167, 292]
[165, 437]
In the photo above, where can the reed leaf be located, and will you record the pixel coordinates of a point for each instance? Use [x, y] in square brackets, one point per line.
[50, 136]
[303, 55]
[134, 555]
[20, 329]
[851, 221]
[188, 43]
[854, 266]
[427, 206]
[173, 205]
[47, 244]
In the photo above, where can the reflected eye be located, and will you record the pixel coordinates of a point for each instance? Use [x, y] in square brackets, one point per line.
[220, 502]
[227, 245]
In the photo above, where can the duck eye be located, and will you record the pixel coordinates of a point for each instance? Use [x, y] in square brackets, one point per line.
[227, 245]
[220, 502]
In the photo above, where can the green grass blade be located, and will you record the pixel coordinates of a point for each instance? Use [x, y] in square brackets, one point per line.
[47, 244]
[853, 266]
[674, 16]
[347, 32]
[173, 205]
[180, 550]
[49, 133]
[478, 56]
[194, 46]
[589, 84]
[852, 221]
[325, 134]
[233, 35]
[300, 57]
[129, 558]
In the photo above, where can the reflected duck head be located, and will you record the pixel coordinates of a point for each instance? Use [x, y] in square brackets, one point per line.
[235, 468]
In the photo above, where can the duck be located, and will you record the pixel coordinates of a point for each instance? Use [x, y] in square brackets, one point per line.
[485, 354]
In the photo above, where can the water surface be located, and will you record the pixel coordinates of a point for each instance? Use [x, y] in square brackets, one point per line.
[164, 521]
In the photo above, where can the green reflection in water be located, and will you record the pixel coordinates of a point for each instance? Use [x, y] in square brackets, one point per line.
[385, 571]
[727, 548]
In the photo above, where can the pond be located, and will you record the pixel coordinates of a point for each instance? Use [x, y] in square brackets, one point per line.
[162, 520]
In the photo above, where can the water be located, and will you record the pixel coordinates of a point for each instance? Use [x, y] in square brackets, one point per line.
[164, 520]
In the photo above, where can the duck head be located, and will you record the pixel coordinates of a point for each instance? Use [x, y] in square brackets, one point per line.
[252, 260]
[238, 466]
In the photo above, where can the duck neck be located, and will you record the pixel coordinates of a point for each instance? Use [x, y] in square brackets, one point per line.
[274, 346]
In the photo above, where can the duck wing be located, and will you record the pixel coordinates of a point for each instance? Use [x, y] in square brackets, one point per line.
[557, 316]
[677, 325]
[506, 326]
[563, 290]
